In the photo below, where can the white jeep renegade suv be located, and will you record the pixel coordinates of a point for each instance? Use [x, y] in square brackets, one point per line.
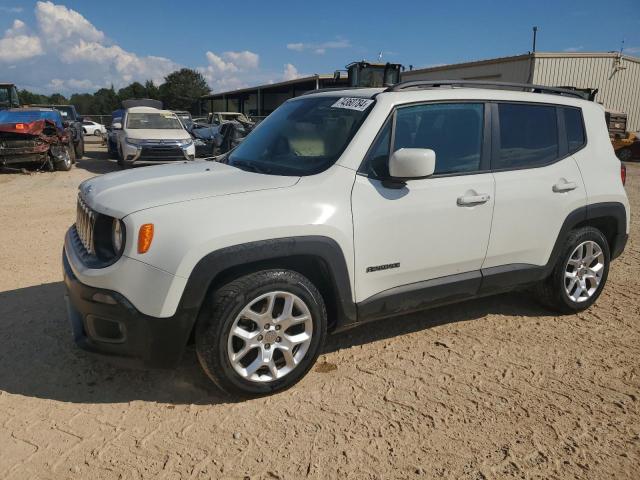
[344, 207]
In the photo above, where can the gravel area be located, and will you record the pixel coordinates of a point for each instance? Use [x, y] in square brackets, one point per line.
[491, 388]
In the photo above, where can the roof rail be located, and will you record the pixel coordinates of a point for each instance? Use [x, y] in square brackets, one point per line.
[415, 84]
[331, 89]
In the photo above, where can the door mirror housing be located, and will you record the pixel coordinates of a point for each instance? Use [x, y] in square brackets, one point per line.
[412, 163]
[117, 126]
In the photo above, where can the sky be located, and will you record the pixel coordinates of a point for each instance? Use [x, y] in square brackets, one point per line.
[81, 46]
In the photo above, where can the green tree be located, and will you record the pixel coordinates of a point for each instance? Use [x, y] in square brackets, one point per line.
[58, 99]
[30, 98]
[152, 90]
[182, 90]
[105, 101]
[135, 90]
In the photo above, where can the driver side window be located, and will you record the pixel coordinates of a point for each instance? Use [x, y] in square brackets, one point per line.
[454, 131]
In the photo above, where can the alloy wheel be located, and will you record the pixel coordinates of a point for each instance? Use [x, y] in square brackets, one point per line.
[270, 336]
[583, 271]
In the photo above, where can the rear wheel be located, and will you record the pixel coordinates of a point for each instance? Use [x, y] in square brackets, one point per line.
[578, 278]
[66, 160]
[264, 332]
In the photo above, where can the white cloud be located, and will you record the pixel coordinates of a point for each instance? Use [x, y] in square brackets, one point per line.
[244, 59]
[290, 72]
[298, 47]
[72, 54]
[57, 23]
[11, 9]
[230, 70]
[573, 49]
[319, 48]
[17, 44]
[632, 50]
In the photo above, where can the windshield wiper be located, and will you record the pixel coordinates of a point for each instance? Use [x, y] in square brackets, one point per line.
[250, 167]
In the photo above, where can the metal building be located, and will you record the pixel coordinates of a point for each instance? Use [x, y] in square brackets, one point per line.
[264, 99]
[616, 76]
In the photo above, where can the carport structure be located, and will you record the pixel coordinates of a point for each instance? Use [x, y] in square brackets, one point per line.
[261, 100]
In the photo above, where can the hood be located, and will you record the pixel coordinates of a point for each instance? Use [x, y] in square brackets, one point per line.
[164, 134]
[119, 194]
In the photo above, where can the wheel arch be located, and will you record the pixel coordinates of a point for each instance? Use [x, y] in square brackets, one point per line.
[318, 258]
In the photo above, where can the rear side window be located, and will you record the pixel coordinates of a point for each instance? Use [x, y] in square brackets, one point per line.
[575, 128]
[528, 135]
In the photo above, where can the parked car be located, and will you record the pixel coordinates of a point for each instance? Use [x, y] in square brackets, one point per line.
[218, 118]
[147, 135]
[72, 120]
[628, 147]
[35, 136]
[341, 208]
[89, 127]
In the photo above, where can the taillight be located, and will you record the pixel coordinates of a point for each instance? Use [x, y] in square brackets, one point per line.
[623, 173]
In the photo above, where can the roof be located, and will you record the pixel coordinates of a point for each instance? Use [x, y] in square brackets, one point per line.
[525, 56]
[310, 78]
[344, 92]
[147, 110]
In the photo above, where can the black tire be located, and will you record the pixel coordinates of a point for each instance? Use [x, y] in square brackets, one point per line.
[79, 149]
[212, 332]
[551, 291]
[66, 164]
[625, 154]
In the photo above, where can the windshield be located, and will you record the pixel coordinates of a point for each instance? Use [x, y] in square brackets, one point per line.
[302, 137]
[66, 112]
[153, 121]
[28, 116]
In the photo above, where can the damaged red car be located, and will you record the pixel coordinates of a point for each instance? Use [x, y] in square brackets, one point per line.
[35, 136]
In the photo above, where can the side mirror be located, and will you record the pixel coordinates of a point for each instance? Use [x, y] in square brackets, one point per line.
[412, 163]
[117, 126]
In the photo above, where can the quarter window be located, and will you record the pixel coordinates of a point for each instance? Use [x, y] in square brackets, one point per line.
[574, 127]
[528, 136]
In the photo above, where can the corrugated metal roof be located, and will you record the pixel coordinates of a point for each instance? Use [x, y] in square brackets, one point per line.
[319, 76]
[524, 57]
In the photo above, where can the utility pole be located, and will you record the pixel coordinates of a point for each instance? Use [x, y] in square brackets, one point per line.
[535, 34]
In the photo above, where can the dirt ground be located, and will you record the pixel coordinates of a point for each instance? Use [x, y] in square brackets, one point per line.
[493, 388]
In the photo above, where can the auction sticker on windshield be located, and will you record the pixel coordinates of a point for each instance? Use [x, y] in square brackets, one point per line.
[351, 103]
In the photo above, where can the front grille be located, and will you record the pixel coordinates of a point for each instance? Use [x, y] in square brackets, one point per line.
[85, 225]
[161, 152]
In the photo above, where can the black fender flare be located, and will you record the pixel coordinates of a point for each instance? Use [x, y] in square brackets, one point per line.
[504, 277]
[213, 265]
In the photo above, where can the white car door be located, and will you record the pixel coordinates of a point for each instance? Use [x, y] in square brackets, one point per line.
[431, 232]
[538, 183]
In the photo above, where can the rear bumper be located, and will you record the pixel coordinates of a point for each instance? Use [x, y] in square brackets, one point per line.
[105, 322]
[17, 159]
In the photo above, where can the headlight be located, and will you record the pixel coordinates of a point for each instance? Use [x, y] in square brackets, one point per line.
[186, 143]
[133, 141]
[117, 236]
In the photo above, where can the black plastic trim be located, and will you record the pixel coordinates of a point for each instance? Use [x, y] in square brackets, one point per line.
[419, 296]
[210, 267]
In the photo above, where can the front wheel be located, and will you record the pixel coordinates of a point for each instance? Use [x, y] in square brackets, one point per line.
[263, 334]
[580, 274]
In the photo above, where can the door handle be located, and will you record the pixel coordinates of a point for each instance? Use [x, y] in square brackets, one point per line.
[470, 200]
[564, 186]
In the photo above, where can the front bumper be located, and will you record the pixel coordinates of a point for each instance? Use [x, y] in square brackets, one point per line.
[105, 322]
[151, 153]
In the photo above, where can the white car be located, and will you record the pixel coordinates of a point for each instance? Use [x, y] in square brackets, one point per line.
[344, 207]
[90, 127]
[147, 135]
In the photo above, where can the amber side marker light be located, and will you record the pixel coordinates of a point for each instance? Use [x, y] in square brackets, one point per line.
[145, 237]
